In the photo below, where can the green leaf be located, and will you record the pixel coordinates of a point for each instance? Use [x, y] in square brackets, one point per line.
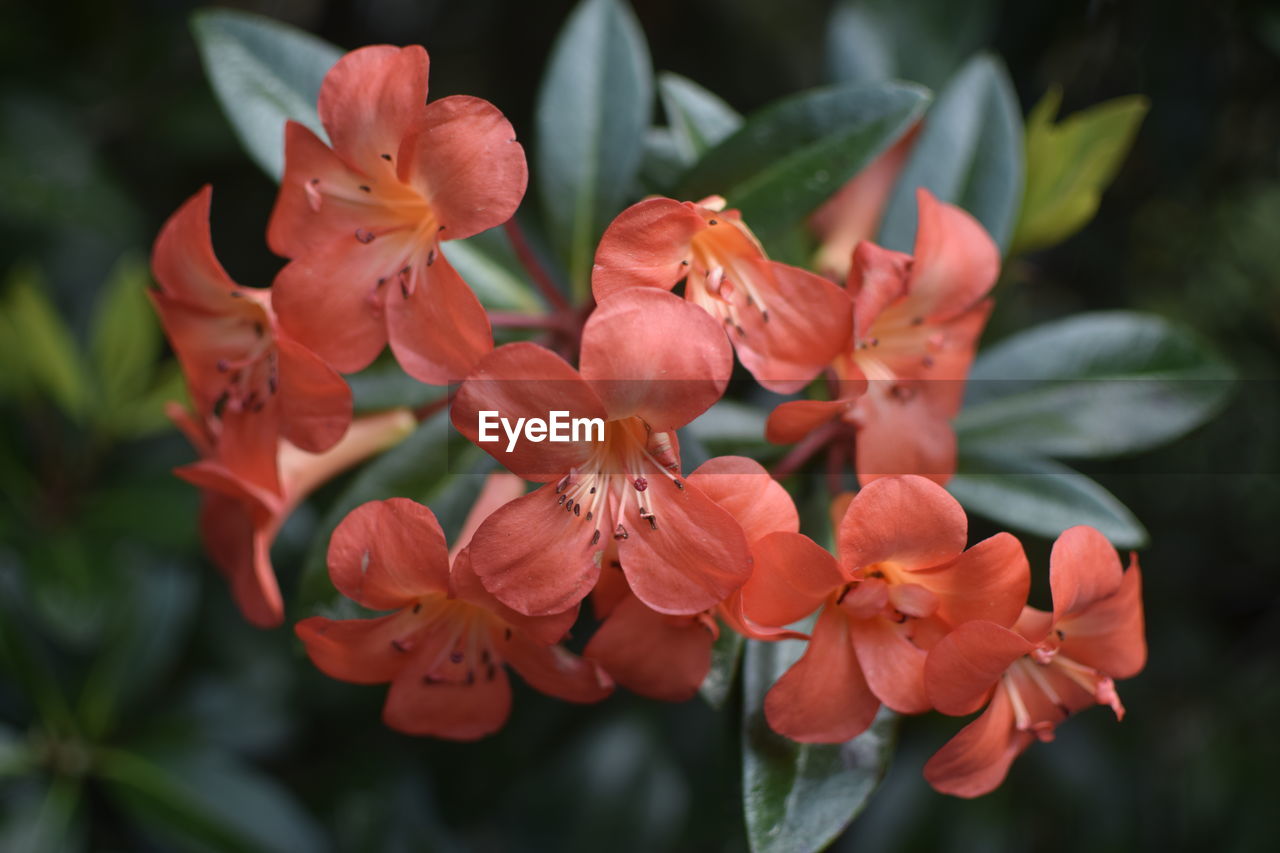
[146, 415]
[44, 818]
[264, 73]
[1041, 496]
[921, 40]
[1070, 163]
[699, 119]
[799, 797]
[1092, 385]
[49, 360]
[202, 800]
[729, 425]
[424, 467]
[725, 654]
[16, 755]
[124, 340]
[663, 165]
[488, 264]
[790, 157]
[593, 108]
[384, 385]
[969, 153]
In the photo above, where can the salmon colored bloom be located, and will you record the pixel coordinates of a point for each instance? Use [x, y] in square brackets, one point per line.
[362, 221]
[916, 322]
[903, 581]
[854, 212]
[650, 363]
[247, 494]
[1049, 666]
[446, 647]
[667, 657]
[235, 358]
[785, 323]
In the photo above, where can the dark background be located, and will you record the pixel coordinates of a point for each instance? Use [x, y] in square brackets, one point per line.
[107, 125]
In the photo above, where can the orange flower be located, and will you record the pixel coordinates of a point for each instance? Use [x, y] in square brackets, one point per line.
[903, 580]
[247, 493]
[362, 221]
[785, 323]
[236, 361]
[446, 647]
[1049, 666]
[667, 657]
[916, 322]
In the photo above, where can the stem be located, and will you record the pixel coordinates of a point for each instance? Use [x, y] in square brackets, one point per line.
[529, 260]
[428, 409]
[836, 455]
[513, 320]
[804, 451]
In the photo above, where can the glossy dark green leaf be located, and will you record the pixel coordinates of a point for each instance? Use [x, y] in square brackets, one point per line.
[1096, 384]
[202, 800]
[487, 263]
[593, 107]
[1041, 496]
[726, 653]
[799, 797]
[698, 119]
[790, 157]
[263, 72]
[969, 153]
[1070, 163]
[423, 467]
[729, 426]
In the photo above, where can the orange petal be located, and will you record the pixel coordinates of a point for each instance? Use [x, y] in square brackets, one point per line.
[465, 586]
[892, 665]
[658, 656]
[792, 421]
[534, 557]
[647, 245]
[1083, 569]
[903, 432]
[315, 403]
[524, 380]
[989, 581]
[977, 759]
[330, 302]
[240, 546]
[556, 671]
[750, 494]
[361, 651]
[456, 710]
[385, 554]
[1110, 635]
[877, 280]
[965, 664]
[654, 355]
[909, 521]
[823, 698]
[695, 556]
[499, 489]
[956, 261]
[792, 576]
[463, 158]
[439, 331]
[370, 99]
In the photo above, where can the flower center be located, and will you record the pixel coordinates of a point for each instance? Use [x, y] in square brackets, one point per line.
[618, 471]
[456, 639]
[727, 275]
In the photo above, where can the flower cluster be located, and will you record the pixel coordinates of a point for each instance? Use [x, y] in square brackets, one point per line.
[906, 615]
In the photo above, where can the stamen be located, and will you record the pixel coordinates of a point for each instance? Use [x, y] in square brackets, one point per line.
[620, 533]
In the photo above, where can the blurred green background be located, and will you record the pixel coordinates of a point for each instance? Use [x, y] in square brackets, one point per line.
[138, 712]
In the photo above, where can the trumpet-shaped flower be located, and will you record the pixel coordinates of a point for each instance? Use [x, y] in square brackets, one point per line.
[916, 322]
[236, 360]
[785, 323]
[650, 363]
[446, 646]
[362, 221]
[248, 492]
[667, 657]
[1047, 667]
[902, 581]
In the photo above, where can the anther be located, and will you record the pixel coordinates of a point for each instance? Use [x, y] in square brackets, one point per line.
[679, 485]
[562, 499]
[712, 222]
[593, 490]
[431, 257]
[490, 672]
[620, 532]
[577, 509]
[484, 656]
[471, 677]
[595, 537]
[917, 321]
[764, 315]
[651, 518]
[223, 365]
[365, 188]
[315, 182]
[386, 157]
[588, 515]
[364, 236]
[456, 657]
[430, 679]
[563, 484]
[927, 361]
[417, 608]
[684, 263]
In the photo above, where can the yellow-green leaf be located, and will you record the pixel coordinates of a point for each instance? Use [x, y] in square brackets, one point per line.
[41, 353]
[125, 337]
[1070, 163]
